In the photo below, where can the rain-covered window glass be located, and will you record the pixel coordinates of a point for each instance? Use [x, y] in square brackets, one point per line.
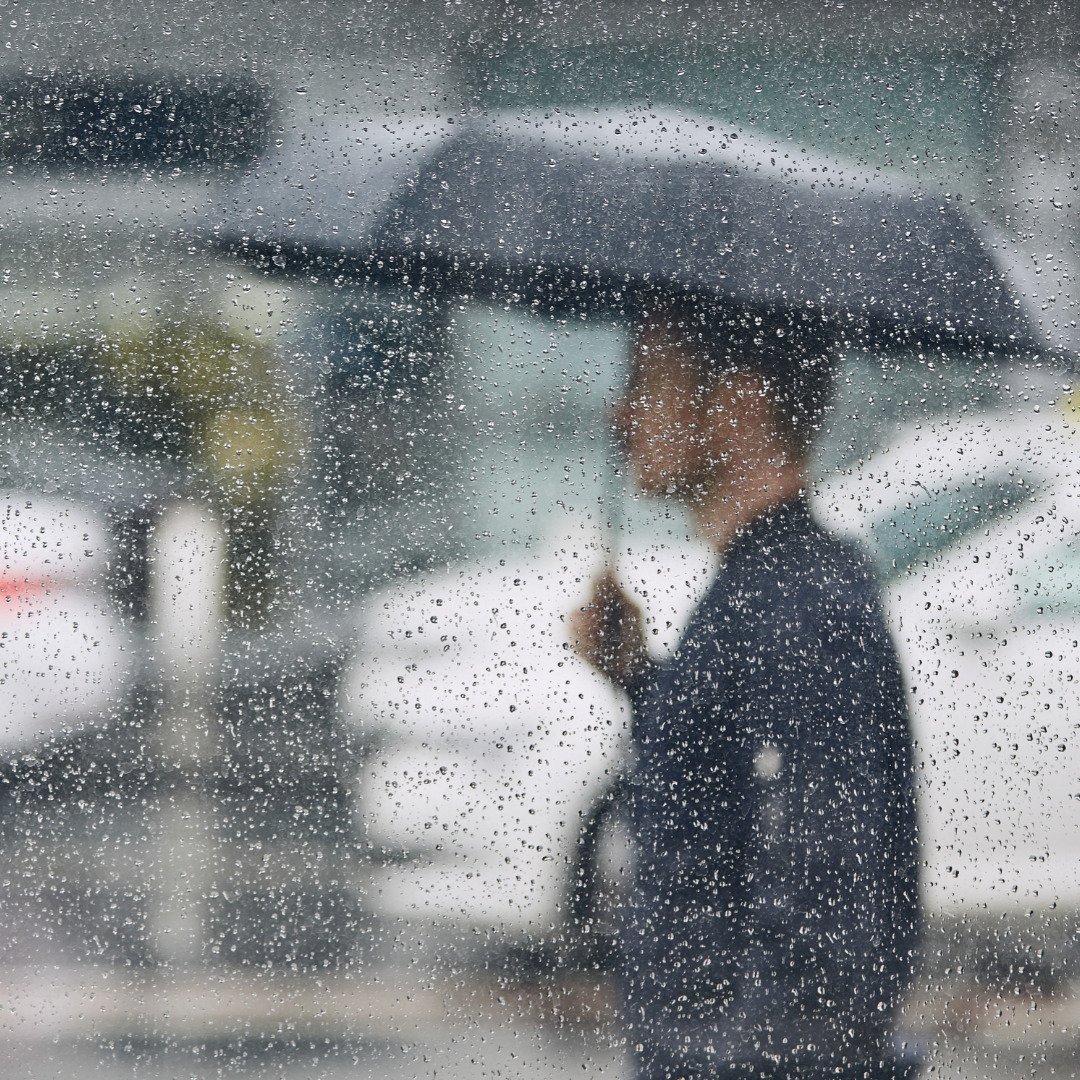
[539, 540]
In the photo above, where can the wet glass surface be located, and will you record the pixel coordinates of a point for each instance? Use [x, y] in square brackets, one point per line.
[412, 663]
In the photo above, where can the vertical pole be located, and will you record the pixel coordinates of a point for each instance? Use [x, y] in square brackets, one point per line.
[186, 612]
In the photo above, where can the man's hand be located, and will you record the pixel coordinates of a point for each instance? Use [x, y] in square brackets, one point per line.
[609, 632]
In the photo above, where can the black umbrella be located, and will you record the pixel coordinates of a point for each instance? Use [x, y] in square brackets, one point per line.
[583, 210]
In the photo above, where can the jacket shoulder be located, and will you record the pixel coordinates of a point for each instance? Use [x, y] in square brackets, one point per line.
[810, 566]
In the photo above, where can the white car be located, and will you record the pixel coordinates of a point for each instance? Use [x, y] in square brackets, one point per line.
[975, 526]
[492, 741]
[494, 744]
[64, 656]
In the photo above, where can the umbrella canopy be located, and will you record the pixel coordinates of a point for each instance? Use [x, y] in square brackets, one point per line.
[582, 211]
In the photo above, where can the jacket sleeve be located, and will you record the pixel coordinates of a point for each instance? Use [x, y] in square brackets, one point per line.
[642, 686]
[830, 849]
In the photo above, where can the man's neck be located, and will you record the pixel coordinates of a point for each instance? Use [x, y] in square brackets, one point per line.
[720, 511]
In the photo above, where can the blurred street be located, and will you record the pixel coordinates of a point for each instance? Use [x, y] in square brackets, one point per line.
[330, 1028]
[110, 1025]
[76, 1002]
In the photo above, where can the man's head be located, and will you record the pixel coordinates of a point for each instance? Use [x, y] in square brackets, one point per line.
[716, 400]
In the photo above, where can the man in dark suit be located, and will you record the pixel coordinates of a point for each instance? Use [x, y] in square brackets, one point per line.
[773, 919]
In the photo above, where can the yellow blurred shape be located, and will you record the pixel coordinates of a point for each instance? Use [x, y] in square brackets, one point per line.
[248, 450]
[1070, 404]
[200, 366]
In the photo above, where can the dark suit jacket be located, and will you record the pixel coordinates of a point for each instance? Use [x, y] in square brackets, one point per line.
[774, 913]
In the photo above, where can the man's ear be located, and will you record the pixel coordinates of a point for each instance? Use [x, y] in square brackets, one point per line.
[748, 399]
[743, 394]
[749, 383]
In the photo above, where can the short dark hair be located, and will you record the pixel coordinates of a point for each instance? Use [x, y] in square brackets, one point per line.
[794, 353]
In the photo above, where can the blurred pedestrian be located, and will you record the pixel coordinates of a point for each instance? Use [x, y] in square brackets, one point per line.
[773, 918]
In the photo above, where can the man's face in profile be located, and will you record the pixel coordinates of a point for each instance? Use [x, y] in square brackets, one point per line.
[678, 426]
